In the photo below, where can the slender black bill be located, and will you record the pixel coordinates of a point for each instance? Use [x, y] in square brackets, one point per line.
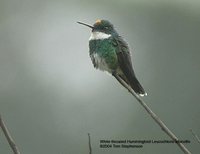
[85, 24]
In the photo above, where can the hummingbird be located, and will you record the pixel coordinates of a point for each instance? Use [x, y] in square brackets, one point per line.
[109, 52]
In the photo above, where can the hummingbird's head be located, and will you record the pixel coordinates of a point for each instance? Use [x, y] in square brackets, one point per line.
[103, 26]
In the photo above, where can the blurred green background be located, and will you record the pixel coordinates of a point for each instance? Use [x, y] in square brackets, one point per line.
[51, 96]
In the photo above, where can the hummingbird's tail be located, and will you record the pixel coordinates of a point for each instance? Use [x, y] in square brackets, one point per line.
[133, 84]
[136, 86]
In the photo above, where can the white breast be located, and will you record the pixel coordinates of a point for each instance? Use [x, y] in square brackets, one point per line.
[100, 63]
[99, 36]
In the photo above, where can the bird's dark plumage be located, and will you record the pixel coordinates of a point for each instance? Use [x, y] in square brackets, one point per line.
[125, 64]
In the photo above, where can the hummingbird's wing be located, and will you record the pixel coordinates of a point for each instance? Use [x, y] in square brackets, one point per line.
[125, 64]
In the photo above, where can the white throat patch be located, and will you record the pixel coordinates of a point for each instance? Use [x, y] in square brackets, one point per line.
[99, 36]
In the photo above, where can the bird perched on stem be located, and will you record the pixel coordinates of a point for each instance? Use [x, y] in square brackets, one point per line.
[109, 52]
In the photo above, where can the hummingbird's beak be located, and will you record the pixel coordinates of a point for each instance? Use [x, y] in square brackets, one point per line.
[85, 24]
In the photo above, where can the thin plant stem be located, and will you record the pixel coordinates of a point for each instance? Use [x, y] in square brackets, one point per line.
[155, 117]
[10, 140]
[89, 143]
